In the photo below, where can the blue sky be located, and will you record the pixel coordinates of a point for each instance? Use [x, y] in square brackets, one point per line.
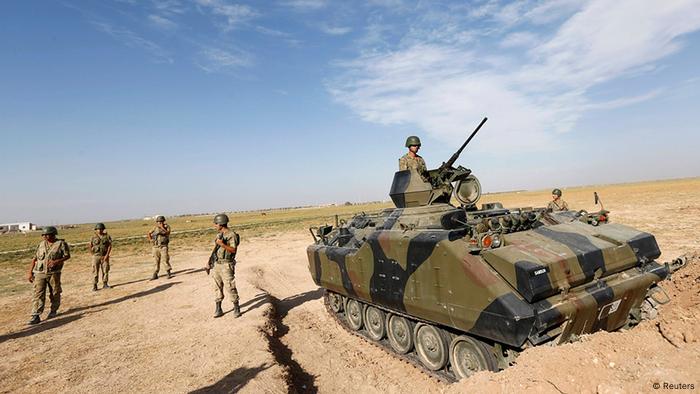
[118, 109]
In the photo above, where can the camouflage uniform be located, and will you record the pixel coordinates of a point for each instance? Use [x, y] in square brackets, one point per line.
[558, 205]
[224, 272]
[99, 245]
[45, 277]
[417, 163]
[160, 249]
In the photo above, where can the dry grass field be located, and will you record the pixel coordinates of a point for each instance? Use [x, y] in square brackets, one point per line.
[159, 336]
[250, 220]
[192, 232]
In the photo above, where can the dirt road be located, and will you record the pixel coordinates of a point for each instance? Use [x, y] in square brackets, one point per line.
[140, 336]
[159, 336]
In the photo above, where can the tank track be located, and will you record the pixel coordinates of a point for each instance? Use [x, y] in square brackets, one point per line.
[444, 375]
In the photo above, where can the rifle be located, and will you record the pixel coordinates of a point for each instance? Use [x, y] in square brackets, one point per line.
[154, 237]
[213, 258]
[455, 156]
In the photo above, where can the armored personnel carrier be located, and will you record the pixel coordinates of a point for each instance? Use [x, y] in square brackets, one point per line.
[460, 289]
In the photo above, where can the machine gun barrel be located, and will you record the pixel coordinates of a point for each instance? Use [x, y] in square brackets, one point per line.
[455, 156]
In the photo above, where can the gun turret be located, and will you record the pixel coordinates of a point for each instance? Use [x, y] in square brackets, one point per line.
[445, 175]
[455, 156]
[411, 189]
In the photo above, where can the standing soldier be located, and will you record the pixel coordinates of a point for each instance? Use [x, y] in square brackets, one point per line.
[160, 238]
[224, 267]
[100, 247]
[45, 271]
[557, 204]
[412, 160]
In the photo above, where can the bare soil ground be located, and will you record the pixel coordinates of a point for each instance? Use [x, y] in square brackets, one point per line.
[148, 336]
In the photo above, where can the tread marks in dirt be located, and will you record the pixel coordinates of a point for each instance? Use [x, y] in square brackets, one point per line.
[297, 378]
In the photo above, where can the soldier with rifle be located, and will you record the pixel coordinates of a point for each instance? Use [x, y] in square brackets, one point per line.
[159, 236]
[45, 272]
[223, 264]
[557, 204]
[100, 247]
[411, 160]
[445, 173]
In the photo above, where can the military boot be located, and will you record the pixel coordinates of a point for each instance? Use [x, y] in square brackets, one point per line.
[51, 314]
[34, 320]
[106, 286]
[169, 275]
[154, 277]
[218, 312]
[94, 287]
[236, 310]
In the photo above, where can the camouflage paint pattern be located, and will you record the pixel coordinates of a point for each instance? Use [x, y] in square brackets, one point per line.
[558, 280]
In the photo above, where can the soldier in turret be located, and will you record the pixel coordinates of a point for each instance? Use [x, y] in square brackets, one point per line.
[160, 238]
[224, 265]
[45, 272]
[557, 204]
[411, 160]
[100, 247]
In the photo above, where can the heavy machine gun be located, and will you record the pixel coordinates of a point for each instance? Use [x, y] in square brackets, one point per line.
[412, 189]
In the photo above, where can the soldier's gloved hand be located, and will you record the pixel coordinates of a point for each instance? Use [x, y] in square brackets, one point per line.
[49, 264]
[30, 277]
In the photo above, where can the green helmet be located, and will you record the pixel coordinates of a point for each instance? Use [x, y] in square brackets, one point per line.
[49, 230]
[160, 218]
[100, 226]
[412, 140]
[556, 192]
[221, 219]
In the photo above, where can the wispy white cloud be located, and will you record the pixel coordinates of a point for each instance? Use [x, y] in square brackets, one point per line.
[334, 30]
[443, 85]
[305, 5]
[288, 38]
[538, 12]
[169, 7]
[133, 40]
[520, 39]
[218, 60]
[162, 22]
[233, 14]
[624, 101]
[551, 10]
[272, 32]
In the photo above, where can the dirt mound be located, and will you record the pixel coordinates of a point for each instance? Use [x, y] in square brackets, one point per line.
[144, 336]
[661, 352]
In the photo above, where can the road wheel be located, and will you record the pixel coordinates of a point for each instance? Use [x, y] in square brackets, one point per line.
[432, 346]
[375, 322]
[399, 330]
[353, 313]
[470, 355]
[335, 301]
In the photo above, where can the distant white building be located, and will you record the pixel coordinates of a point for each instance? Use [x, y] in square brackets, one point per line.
[150, 217]
[17, 227]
